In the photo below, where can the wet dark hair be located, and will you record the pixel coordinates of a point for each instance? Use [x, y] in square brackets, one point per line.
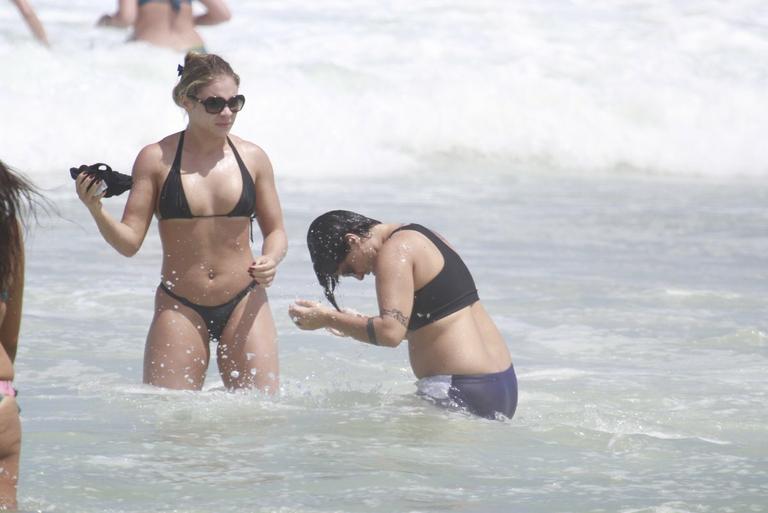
[328, 246]
[18, 198]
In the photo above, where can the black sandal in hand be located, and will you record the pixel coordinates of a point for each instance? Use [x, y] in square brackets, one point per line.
[117, 183]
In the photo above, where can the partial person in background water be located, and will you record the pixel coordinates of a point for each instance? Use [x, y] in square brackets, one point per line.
[125, 16]
[166, 24]
[426, 295]
[32, 21]
[205, 187]
[16, 196]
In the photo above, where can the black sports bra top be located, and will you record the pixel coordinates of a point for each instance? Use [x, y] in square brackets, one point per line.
[173, 202]
[451, 290]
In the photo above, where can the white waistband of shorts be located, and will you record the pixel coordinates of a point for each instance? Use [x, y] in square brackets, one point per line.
[434, 386]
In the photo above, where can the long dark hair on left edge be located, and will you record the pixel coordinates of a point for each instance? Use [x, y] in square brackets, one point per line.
[18, 199]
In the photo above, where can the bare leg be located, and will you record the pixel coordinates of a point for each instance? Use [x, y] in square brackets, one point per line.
[32, 20]
[10, 447]
[247, 353]
[177, 353]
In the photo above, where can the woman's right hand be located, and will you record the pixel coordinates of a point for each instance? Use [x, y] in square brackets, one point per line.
[308, 315]
[87, 190]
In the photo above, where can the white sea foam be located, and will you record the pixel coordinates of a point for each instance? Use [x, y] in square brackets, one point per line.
[677, 89]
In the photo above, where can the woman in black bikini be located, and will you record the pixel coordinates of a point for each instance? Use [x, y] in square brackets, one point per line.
[204, 186]
[426, 295]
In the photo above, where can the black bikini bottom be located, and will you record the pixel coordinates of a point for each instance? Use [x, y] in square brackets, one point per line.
[215, 317]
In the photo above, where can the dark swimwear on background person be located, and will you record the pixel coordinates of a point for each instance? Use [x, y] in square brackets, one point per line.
[426, 295]
[168, 23]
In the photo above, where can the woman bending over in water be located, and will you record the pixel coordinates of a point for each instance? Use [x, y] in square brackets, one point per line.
[426, 295]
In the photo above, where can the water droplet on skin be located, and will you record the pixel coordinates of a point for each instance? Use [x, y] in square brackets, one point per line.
[248, 356]
[175, 307]
[234, 374]
[253, 372]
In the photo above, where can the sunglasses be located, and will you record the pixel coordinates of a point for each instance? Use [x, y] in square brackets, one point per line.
[215, 104]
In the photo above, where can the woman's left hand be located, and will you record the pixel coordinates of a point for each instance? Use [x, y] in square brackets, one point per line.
[263, 270]
[307, 315]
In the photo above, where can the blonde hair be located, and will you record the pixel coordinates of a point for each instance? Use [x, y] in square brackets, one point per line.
[200, 69]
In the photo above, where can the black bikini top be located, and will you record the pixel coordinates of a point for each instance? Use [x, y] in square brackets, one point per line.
[173, 202]
[451, 290]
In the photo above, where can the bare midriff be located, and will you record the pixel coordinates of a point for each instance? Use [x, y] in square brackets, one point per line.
[465, 342]
[206, 259]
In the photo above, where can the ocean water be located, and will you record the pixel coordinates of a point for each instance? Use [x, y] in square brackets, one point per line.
[599, 165]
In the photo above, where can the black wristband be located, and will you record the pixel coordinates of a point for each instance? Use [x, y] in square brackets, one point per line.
[371, 332]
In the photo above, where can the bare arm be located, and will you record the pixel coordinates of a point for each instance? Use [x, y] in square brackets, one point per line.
[216, 12]
[387, 329]
[394, 291]
[10, 324]
[127, 235]
[32, 21]
[125, 16]
[269, 215]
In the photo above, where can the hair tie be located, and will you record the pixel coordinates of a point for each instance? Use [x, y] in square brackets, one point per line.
[180, 69]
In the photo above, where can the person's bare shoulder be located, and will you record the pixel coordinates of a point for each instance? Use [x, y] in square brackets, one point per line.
[155, 160]
[402, 246]
[408, 245]
[254, 157]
